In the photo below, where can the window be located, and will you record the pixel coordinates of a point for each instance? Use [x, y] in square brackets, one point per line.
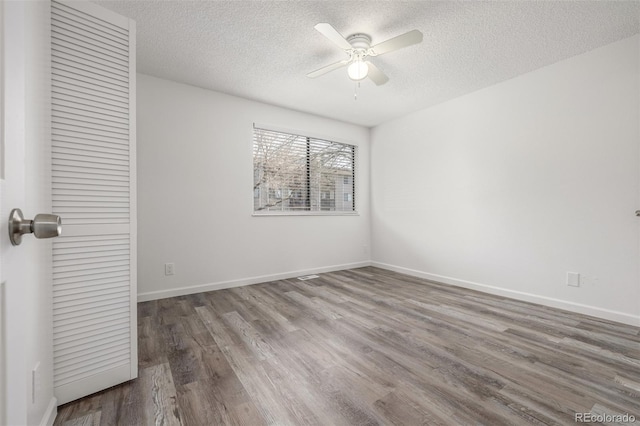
[294, 173]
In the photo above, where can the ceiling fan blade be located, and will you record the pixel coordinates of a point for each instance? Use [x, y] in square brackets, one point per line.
[332, 34]
[404, 40]
[328, 68]
[377, 76]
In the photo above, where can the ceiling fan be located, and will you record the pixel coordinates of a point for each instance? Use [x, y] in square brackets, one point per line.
[358, 48]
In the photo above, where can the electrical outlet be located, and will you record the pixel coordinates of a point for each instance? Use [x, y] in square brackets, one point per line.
[169, 268]
[573, 279]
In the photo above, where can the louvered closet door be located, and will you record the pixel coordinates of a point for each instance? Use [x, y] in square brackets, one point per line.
[93, 174]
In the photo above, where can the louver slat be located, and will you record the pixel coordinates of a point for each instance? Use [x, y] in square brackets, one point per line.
[93, 179]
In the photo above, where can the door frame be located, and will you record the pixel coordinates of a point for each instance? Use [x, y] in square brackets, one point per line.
[25, 183]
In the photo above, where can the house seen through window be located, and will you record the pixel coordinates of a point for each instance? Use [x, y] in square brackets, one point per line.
[295, 173]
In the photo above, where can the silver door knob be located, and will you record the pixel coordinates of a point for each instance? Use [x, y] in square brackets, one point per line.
[637, 212]
[42, 226]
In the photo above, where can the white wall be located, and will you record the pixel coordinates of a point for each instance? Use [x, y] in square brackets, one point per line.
[195, 196]
[508, 188]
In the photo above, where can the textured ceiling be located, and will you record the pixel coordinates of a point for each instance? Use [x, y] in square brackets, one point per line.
[262, 50]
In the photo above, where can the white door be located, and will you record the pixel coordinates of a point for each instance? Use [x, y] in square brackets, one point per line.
[93, 190]
[29, 284]
[26, 359]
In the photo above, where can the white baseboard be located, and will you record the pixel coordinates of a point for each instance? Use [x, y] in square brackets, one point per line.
[51, 413]
[498, 291]
[518, 295]
[182, 291]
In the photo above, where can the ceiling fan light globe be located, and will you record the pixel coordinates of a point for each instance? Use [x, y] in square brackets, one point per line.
[358, 70]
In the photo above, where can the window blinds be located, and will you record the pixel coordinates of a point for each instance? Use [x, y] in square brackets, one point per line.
[295, 173]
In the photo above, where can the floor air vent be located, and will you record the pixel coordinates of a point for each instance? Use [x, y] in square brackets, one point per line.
[308, 277]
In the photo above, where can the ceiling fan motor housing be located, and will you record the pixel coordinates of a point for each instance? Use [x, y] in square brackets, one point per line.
[360, 41]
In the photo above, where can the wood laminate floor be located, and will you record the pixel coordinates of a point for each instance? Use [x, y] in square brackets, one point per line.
[366, 347]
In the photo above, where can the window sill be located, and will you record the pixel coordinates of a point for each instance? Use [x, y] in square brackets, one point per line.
[255, 214]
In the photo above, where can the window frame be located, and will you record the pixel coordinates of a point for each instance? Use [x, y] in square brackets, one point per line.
[312, 135]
